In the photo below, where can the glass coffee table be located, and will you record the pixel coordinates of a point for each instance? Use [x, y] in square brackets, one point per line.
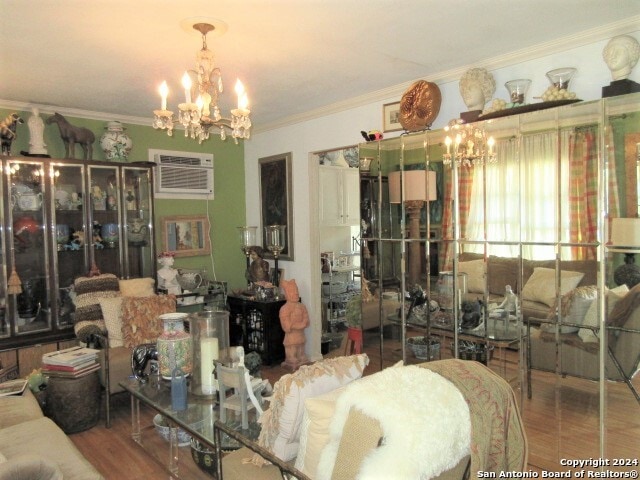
[199, 421]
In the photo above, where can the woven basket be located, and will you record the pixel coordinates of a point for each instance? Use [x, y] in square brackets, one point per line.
[479, 352]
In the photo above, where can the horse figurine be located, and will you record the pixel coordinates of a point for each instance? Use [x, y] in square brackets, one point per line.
[71, 135]
[8, 132]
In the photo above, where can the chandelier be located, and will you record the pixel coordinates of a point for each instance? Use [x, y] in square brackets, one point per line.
[203, 116]
[470, 146]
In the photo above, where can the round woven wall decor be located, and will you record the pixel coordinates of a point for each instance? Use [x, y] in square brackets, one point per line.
[420, 106]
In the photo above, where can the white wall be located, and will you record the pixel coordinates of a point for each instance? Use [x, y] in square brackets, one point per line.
[343, 129]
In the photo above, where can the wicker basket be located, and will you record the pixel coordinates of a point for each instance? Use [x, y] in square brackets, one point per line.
[479, 352]
[419, 347]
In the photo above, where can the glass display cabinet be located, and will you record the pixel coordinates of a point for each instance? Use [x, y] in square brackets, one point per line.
[62, 219]
[549, 208]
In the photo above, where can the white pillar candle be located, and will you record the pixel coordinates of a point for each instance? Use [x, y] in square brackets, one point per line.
[208, 354]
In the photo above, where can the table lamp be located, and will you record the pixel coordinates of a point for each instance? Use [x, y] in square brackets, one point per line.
[419, 187]
[625, 238]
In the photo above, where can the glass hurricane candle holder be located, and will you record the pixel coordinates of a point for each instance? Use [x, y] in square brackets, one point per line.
[518, 90]
[210, 339]
[560, 77]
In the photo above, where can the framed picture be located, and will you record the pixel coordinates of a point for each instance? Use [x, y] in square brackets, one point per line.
[186, 235]
[391, 117]
[276, 200]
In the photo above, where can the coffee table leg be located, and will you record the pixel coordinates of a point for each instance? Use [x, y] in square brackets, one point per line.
[135, 420]
[173, 450]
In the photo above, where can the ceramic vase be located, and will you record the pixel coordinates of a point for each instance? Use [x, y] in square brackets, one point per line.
[137, 230]
[174, 346]
[115, 143]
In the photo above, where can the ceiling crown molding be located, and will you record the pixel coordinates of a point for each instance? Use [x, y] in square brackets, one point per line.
[568, 42]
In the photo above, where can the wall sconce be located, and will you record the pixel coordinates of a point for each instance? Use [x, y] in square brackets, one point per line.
[419, 187]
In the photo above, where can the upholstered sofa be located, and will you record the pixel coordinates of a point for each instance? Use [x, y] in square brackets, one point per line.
[537, 287]
[33, 447]
[578, 347]
[115, 316]
[435, 420]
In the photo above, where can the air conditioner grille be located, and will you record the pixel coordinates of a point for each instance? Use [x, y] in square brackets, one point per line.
[184, 161]
[183, 179]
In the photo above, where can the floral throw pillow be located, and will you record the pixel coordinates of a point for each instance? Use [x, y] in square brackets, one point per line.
[140, 322]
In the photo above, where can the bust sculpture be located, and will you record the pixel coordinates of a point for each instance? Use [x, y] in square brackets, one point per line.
[477, 87]
[621, 54]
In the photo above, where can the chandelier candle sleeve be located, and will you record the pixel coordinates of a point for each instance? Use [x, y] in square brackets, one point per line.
[186, 83]
[164, 91]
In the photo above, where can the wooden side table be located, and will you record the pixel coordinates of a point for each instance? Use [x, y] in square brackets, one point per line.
[74, 403]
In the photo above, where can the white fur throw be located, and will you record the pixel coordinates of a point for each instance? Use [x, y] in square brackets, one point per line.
[424, 417]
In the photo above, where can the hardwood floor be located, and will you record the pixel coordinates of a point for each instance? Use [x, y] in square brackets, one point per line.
[561, 421]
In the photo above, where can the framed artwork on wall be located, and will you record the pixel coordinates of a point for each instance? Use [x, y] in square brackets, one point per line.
[186, 235]
[276, 201]
[391, 117]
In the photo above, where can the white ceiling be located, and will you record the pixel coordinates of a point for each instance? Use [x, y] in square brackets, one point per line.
[293, 56]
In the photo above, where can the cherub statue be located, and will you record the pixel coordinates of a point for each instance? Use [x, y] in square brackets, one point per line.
[167, 275]
[294, 318]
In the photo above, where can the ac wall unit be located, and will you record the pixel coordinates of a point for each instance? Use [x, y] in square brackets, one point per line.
[182, 174]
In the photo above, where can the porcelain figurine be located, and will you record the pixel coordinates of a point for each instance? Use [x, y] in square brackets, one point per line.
[477, 87]
[36, 134]
[621, 54]
[167, 275]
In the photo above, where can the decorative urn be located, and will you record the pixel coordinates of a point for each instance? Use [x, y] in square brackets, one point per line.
[115, 143]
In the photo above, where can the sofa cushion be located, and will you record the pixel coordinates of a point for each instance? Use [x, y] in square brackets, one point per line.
[140, 322]
[30, 467]
[44, 438]
[88, 315]
[137, 287]
[541, 286]
[281, 422]
[591, 316]
[314, 430]
[112, 314]
[15, 409]
[475, 275]
[573, 308]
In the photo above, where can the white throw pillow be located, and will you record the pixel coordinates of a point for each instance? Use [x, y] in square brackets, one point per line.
[314, 431]
[475, 275]
[112, 314]
[591, 317]
[281, 423]
[541, 286]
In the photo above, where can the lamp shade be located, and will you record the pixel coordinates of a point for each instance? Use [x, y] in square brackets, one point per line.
[415, 186]
[625, 232]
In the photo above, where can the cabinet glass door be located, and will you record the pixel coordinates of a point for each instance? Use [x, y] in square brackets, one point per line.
[28, 260]
[105, 234]
[68, 234]
[4, 321]
[138, 213]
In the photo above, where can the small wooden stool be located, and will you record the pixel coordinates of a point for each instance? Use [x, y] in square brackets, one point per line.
[354, 341]
[74, 403]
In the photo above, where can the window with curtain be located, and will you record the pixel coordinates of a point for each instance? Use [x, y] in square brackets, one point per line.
[522, 197]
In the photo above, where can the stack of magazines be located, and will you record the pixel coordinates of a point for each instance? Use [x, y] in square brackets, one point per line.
[74, 362]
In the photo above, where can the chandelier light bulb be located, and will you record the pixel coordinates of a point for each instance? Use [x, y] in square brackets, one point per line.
[164, 91]
[186, 84]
